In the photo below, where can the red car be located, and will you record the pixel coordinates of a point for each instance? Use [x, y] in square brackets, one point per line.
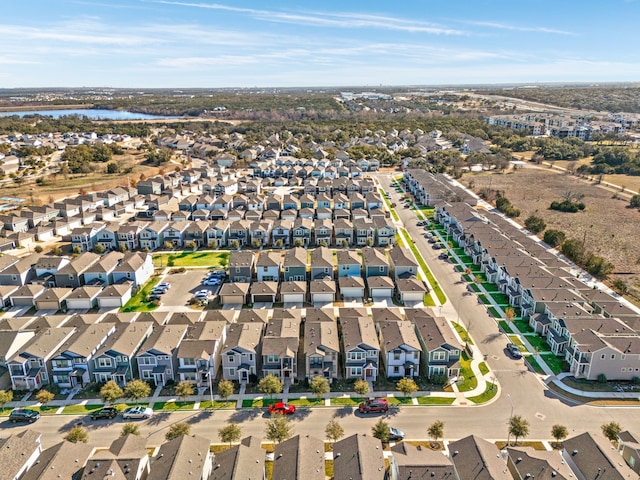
[282, 408]
[374, 405]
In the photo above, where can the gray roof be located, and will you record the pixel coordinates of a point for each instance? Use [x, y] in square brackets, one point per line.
[320, 334]
[63, 460]
[86, 339]
[357, 331]
[541, 465]
[299, 458]
[422, 463]
[45, 343]
[594, 456]
[478, 459]
[16, 449]
[244, 335]
[269, 259]
[321, 257]
[322, 286]
[358, 457]
[180, 458]
[374, 256]
[397, 334]
[165, 339]
[243, 461]
[295, 257]
[127, 338]
[241, 259]
[400, 256]
[79, 264]
[293, 287]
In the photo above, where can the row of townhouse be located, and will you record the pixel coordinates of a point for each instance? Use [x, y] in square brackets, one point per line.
[557, 126]
[87, 269]
[302, 457]
[72, 351]
[594, 332]
[279, 233]
[288, 167]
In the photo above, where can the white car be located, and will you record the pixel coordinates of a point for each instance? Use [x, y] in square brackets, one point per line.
[202, 294]
[210, 282]
[164, 285]
[137, 412]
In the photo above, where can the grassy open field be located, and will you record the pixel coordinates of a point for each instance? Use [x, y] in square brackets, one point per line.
[607, 227]
[191, 259]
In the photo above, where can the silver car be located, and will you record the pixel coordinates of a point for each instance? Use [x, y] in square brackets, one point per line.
[137, 412]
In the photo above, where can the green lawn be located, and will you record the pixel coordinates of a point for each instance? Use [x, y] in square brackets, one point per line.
[172, 406]
[523, 326]
[490, 287]
[435, 400]
[470, 381]
[191, 259]
[259, 402]
[436, 287]
[516, 339]
[484, 369]
[45, 409]
[307, 402]
[218, 404]
[530, 359]
[81, 409]
[462, 332]
[346, 401]
[556, 364]
[400, 400]
[500, 298]
[485, 396]
[538, 342]
[137, 302]
[494, 312]
[505, 326]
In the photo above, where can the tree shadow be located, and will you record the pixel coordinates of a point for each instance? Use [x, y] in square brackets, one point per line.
[301, 414]
[158, 418]
[247, 414]
[200, 416]
[343, 412]
[492, 337]
[73, 423]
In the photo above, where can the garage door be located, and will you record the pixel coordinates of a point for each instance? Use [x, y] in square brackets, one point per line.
[413, 296]
[47, 305]
[232, 299]
[381, 292]
[109, 302]
[293, 298]
[353, 292]
[79, 304]
[323, 297]
[262, 298]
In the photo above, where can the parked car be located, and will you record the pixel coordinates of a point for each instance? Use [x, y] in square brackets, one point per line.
[374, 405]
[24, 415]
[432, 240]
[282, 408]
[395, 434]
[164, 285]
[202, 294]
[514, 350]
[137, 412]
[420, 224]
[104, 412]
[210, 282]
[155, 296]
[443, 256]
[159, 290]
[436, 246]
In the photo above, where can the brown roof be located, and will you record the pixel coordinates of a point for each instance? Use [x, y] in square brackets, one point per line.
[300, 457]
[180, 458]
[16, 449]
[243, 461]
[358, 457]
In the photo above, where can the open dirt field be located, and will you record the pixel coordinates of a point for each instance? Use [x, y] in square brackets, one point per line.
[609, 228]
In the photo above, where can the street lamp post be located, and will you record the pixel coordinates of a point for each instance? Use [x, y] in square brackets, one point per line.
[510, 417]
[210, 387]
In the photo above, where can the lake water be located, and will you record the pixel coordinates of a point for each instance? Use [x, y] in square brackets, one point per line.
[92, 114]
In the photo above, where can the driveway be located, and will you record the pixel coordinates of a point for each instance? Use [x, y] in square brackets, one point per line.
[262, 305]
[322, 304]
[382, 302]
[183, 286]
[292, 305]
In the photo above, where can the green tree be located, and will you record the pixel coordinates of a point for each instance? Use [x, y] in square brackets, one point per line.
[559, 433]
[334, 431]
[407, 386]
[361, 387]
[298, 242]
[113, 167]
[130, 429]
[177, 430]
[38, 249]
[225, 389]
[235, 244]
[110, 392]
[436, 430]
[611, 430]
[553, 238]
[573, 249]
[230, 433]
[137, 389]
[256, 243]
[99, 249]
[184, 389]
[381, 431]
[77, 434]
[535, 224]
[635, 201]
[44, 396]
[319, 386]
[509, 313]
[6, 396]
[56, 251]
[278, 429]
[518, 427]
[270, 385]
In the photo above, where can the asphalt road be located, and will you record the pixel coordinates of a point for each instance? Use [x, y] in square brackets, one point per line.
[522, 392]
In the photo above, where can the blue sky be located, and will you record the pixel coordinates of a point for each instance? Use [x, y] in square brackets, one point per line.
[193, 43]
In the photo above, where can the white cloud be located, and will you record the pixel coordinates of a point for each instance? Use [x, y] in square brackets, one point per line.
[504, 26]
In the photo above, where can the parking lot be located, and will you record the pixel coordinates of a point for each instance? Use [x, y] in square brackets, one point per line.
[184, 286]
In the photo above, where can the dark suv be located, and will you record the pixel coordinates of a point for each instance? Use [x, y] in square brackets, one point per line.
[104, 412]
[374, 405]
[24, 415]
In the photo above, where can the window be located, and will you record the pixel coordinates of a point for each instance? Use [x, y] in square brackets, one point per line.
[356, 371]
[602, 357]
[438, 355]
[231, 358]
[381, 268]
[146, 361]
[613, 357]
[356, 356]
[396, 369]
[232, 372]
[251, 357]
[272, 358]
[396, 355]
[188, 361]
[104, 362]
[146, 374]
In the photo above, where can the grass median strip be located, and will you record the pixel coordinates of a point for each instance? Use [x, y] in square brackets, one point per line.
[137, 303]
[434, 284]
[485, 396]
[171, 406]
[388, 204]
[81, 409]
[435, 400]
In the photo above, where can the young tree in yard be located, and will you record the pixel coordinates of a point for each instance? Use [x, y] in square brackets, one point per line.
[319, 386]
[77, 434]
[225, 389]
[177, 430]
[110, 392]
[278, 429]
[611, 430]
[230, 433]
[334, 431]
[184, 389]
[298, 242]
[137, 389]
[518, 427]
[535, 224]
[44, 396]
[129, 429]
[5, 397]
[553, 238]
[381, 431]
[256, 243]
[361, 387]
[559, 433]
[407, 386]
[270, 385]
[436, 430]
[509, 314]
[235, 244]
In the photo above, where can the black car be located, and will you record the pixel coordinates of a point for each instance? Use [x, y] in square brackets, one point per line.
[104, 412]
[24, 415]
